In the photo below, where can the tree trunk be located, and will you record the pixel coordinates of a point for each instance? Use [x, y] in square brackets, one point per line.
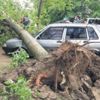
[36, 49]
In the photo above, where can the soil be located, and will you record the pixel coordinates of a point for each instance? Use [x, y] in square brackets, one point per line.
[79, 86]
[4, 61]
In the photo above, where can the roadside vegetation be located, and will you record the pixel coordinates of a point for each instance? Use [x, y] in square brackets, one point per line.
[17, 90]
[18, 58]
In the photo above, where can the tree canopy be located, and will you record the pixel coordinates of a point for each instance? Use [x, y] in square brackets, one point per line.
[50, 10]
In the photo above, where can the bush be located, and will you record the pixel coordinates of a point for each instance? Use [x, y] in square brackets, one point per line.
[19, 57]
[18, 89]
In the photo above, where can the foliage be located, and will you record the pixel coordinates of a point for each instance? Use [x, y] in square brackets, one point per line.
[51, 10]
[19, 57]
[6, 34]
[18, 89]
[3, 38]
[54, 10]
[86, 8]
[95, 8]
[10, 10]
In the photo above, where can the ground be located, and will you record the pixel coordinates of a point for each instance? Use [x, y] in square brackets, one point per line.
[4, 67]
[4, 61]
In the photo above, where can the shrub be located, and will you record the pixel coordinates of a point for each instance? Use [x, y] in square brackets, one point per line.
[19, 57]
[18, 89]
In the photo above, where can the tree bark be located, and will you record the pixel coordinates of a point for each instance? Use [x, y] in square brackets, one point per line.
[36, 49]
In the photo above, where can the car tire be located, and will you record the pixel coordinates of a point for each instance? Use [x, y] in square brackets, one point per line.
[18, 50]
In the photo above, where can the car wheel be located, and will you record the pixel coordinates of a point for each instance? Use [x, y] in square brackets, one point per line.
[18, 50]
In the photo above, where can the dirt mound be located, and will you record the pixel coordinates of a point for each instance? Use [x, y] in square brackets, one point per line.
[69, 73]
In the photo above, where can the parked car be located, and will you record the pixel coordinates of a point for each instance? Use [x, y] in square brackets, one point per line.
[53, 35]
[93, 21]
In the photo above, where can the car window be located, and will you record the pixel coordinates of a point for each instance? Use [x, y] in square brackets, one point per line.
[92, 34]
[76, 33]
[98, 27]
[94, 21]
[53, 33]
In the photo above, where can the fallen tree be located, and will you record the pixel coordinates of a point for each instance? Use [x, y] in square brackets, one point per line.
[36, 49]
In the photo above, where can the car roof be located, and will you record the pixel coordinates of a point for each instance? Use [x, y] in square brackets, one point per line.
[70, 24]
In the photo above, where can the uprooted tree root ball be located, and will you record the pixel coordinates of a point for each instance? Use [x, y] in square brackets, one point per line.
[71, 71]
[67, 62]
[66, 68]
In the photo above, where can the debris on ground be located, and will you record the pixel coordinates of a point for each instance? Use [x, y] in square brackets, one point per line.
[72, 72]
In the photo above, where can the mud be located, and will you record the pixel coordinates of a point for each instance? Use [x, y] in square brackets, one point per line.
[71, 73]
[4, 61]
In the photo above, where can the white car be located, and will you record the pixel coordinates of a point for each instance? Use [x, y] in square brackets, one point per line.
[53, 35]
[93, 21]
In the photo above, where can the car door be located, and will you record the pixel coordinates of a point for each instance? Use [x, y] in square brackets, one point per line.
[77, 34]
[94, 41]
[51, 38]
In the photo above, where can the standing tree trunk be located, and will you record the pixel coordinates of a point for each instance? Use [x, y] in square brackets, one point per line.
[36, 49]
